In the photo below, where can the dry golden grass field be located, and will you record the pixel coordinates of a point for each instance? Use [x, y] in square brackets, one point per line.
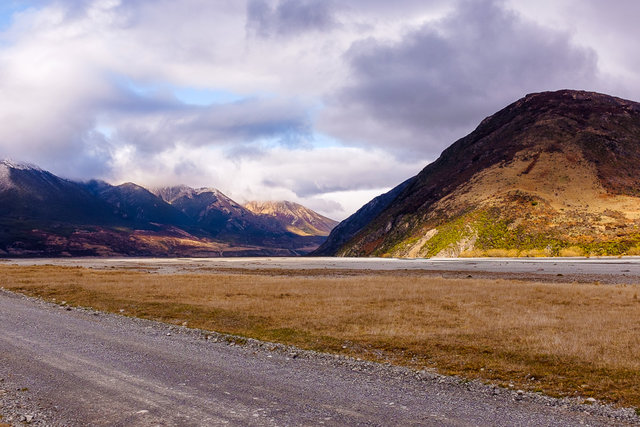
[557, 338]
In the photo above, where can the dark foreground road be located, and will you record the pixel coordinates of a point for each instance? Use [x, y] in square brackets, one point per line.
[83, 368]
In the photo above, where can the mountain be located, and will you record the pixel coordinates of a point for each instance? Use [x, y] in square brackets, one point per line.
[133, 202]
[214, 211]
[294, 217]
[30, 193]
[348, 228]
[44, 215]
[554, 173]
[227, 220]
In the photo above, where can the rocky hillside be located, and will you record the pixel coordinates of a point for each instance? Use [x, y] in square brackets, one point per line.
[135, 203]
[555, 173]
[294, 217]
[30, 193]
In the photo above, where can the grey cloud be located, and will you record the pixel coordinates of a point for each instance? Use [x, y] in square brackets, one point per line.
[310, 186]
[244, 151]
[185, 167]
[239, 122]
[72, 148]
[618, 39]
[439, 81]
[288, 17]
[325, 205]
[268, 18]
[87, 157]
[340, 179]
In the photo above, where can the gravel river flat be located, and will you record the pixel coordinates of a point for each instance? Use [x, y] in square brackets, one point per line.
[606, 269]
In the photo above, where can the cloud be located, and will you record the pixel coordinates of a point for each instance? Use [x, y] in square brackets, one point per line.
[76, 95]
[608, 29]
[324, 102]
[235, 123]
[347, 176]
[289, 17]
[418, 94]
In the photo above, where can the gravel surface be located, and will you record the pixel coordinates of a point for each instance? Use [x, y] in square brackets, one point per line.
[72, 366]
[607, 270]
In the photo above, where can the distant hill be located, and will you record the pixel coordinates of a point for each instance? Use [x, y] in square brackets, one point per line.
[294, 217]
[555, 173]
[44, 215]
[218, 214]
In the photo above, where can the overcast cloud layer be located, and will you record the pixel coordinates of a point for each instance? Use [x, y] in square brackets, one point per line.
[323, 102]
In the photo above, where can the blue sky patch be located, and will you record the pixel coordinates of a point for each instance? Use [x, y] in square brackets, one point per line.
[9, 8]
[185, 94]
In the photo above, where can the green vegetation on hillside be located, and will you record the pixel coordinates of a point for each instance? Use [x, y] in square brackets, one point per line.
[496, 235]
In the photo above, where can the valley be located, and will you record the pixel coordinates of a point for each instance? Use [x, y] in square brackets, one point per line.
[491, 341]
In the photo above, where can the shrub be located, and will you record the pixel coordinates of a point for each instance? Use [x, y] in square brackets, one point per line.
[472, 253]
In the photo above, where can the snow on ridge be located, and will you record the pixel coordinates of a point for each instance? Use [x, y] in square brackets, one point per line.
[5, 177]
[6, 166]
[19, 165]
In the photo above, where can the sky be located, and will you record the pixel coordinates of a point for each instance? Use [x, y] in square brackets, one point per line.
[323, 102]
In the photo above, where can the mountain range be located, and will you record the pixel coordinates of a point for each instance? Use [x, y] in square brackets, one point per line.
[554, 173]
[45, 215]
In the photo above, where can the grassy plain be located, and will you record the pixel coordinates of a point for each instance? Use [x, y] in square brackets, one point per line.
[557, 338]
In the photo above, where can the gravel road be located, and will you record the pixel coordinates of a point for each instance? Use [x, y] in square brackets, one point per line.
[63, 366]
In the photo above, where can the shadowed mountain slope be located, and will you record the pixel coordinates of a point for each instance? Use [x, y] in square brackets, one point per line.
[348, 228]
[212, 210]
[44, 215]
[555, 173]
[30, 193]
[133, 202]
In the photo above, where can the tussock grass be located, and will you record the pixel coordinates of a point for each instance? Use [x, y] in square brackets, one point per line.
[562, 339]
[572, 251]
[504, 253]
[634, 251]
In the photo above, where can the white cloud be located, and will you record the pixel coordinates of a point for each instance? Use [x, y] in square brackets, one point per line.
[95, 88]
[335, 180]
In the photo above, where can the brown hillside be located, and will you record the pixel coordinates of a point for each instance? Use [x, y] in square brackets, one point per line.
[555, 173]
